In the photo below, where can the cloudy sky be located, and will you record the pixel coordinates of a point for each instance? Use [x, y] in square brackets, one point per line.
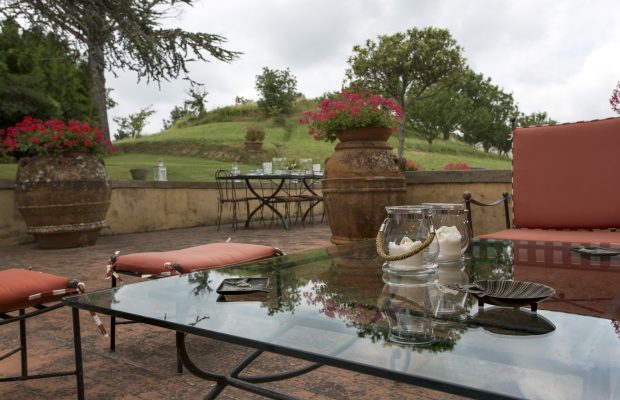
[558, 56]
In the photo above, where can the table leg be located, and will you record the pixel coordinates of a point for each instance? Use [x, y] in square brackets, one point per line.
[315, 203]
[265, 202]
[77, 345]
[233, 379]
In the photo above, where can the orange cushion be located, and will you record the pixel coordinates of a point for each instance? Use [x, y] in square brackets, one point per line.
[193, 258]
[599, 238]
[566, 176]
[17, 285]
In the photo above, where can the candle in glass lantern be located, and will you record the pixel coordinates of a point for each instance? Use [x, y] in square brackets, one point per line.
[449, 239]
[408, 264]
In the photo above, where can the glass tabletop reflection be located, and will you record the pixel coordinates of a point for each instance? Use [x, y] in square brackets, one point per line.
[336, 306]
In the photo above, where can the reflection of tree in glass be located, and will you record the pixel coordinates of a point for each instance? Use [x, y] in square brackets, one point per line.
[285, 281]
[202, 282]
[366, 319]
[491, 260]
[616, 324]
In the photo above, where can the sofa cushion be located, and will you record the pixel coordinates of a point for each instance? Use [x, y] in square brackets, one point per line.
[566, 176]
[599, 238]
[21, 288]
[193, 258]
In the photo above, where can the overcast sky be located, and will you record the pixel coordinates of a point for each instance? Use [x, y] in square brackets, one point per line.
[558, 56]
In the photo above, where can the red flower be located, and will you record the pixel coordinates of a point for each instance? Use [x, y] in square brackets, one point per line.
[349, 110]
[456, 166]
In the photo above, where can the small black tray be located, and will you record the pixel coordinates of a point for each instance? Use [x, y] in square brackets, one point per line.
[243, 286]
[595, 251]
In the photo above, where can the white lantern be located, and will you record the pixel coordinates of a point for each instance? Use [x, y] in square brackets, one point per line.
[159, 171]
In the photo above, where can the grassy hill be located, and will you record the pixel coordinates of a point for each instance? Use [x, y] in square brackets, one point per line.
[194, 153]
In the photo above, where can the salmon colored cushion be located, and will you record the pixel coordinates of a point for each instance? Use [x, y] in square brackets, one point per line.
[566, 176]
[599, 238]
[18, 285]
[194, 258]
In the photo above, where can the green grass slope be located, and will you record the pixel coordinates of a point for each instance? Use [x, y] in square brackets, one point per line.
[194, 153]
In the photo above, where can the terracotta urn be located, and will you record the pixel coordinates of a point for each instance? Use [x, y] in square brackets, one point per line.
[362, 177]
[63, 201]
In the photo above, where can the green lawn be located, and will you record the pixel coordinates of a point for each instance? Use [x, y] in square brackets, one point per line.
[195, 153]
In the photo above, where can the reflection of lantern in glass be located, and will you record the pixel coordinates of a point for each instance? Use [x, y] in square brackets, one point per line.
[451, 304]
[452, 228]
[408, 245]
[408, 306]
[159, 171]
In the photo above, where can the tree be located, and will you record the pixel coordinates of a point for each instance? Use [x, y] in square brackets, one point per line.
[614, 100]
[533, 119]
[40, 76]
[277, 90]
[487, 113]
[192, 107]
[404, 66]
[124, 35]
[439, 113]
[132, 125]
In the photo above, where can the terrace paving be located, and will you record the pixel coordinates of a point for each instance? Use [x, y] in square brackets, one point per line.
[144, 366]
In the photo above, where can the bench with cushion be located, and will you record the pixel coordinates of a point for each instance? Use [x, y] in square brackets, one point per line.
[168, 263]
[22, 290]
[565, 183]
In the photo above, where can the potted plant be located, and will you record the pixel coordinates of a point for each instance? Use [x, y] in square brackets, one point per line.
[254, 136]
[138, 174]
[62, 188]
[363, 176]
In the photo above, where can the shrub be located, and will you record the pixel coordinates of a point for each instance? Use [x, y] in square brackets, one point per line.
[411, 165]
[254, 134]
[456, 166]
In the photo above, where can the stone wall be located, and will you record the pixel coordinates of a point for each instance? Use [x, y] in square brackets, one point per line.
[141, 206]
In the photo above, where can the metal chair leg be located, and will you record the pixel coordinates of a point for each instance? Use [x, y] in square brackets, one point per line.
[77, 347]
[113, 323]
[22, 343]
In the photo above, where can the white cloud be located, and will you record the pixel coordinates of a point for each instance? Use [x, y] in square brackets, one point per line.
[554, 56]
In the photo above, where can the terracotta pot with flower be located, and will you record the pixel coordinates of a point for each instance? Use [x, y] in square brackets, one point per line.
[363, 176]
[62, 188]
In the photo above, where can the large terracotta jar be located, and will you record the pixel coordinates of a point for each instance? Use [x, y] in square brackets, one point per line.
[362, 177]
[63, 202]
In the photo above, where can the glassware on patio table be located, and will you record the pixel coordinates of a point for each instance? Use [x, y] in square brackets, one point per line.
[408, 230]
[267, 168]
[305, 164]
[279, 165]
[316, 169]
[451, 225]
[234, 170]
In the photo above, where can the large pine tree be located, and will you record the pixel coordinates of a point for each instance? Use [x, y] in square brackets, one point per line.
[122, 34]
[40, 76]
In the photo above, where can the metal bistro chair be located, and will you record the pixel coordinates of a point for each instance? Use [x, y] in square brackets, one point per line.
[469, 200]
[22, 290]
[227, 195]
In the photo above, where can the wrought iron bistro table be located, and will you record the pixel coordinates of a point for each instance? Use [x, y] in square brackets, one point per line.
[268, 196]
[334, 306]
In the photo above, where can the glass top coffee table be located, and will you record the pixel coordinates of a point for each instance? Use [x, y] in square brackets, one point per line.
[336, 307]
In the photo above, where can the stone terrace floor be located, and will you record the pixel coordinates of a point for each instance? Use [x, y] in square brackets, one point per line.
[143, 366]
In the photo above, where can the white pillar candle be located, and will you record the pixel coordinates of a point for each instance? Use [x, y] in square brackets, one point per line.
[449, 239]
[408, 264]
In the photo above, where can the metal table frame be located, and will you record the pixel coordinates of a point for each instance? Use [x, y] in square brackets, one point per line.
[267, 200]
[250, 383]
